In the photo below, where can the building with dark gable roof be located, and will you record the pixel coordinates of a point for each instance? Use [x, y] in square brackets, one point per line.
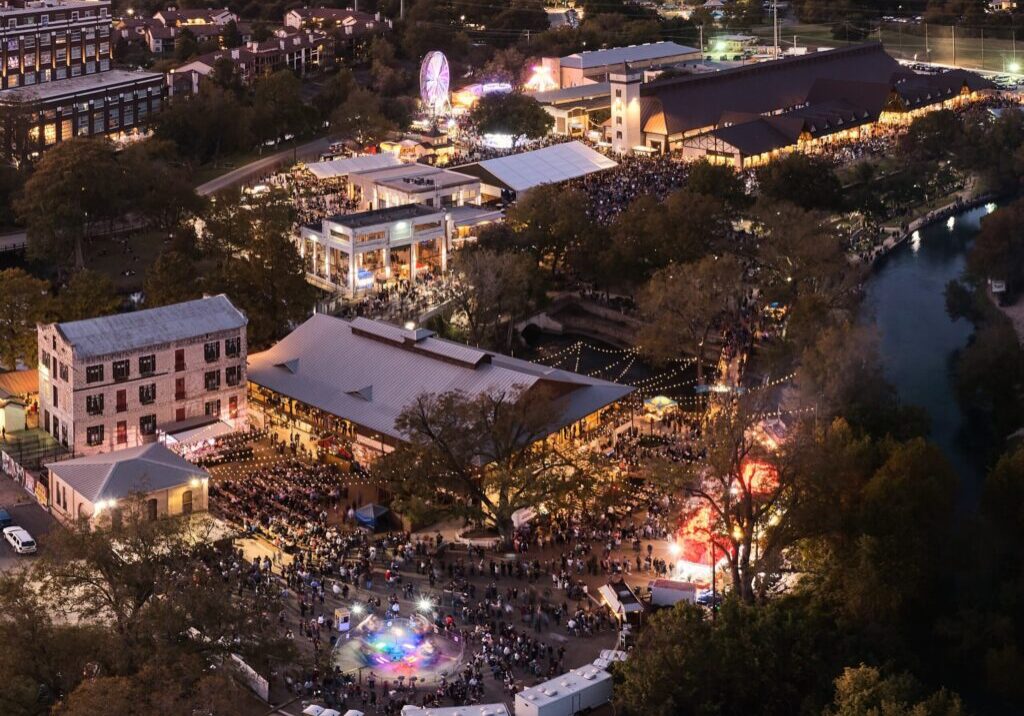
[746, 115]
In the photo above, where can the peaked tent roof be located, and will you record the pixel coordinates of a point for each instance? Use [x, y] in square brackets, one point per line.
[115, 475]
[368, 371]
[547, 165]
[352, 165]
[631, 53]
[96, 337]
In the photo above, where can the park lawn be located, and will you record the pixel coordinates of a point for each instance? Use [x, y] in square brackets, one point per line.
[909, 42]
[211, 170]
[125, 259]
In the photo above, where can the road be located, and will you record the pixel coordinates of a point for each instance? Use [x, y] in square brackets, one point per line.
[14, 241]
[241, 174]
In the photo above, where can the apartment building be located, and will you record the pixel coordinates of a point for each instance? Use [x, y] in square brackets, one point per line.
[57, 80]
[117, 381]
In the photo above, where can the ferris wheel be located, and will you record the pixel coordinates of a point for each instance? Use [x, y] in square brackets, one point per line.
[434, 81]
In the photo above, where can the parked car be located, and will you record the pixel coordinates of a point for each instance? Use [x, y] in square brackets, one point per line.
[5, 518]
[20, 540]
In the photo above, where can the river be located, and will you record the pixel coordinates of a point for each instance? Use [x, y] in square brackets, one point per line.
[905, 299]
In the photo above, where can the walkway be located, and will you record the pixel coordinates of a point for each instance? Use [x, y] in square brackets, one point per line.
[240, 175]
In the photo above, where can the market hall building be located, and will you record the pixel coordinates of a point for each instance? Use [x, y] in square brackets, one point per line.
[746, 116]
[343, 383]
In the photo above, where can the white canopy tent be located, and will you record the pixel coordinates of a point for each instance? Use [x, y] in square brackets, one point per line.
[334, 168]
[548, 165]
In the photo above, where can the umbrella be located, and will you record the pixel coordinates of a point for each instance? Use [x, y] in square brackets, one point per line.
[370, 514]
[353, 712]
[313, 710]
[659, 402]
[330, 712]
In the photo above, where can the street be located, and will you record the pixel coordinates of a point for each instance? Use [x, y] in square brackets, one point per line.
[241, 174]
[28, 514]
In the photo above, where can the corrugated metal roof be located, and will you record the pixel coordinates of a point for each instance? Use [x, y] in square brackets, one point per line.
[352, 165]
[116, 475]
[124, 332]
[369, 371]
[631, 53]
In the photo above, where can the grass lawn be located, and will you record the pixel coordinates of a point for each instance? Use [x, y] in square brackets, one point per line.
[908, 42]
[125, 259]
[212, 170]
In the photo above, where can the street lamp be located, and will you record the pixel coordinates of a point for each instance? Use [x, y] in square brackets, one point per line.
[424, 604]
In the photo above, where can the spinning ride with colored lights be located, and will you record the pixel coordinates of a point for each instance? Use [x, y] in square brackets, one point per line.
[407, 646]
[435, 82]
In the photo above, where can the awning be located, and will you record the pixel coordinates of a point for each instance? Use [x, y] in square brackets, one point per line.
[370, 514]
[188, 435]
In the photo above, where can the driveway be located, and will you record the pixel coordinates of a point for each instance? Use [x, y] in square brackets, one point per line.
[265, 164]
[27, 513]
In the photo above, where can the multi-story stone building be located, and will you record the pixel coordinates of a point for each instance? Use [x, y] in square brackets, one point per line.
[57, 81]
[116, 381]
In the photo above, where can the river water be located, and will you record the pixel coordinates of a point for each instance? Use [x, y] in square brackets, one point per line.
[905, 299]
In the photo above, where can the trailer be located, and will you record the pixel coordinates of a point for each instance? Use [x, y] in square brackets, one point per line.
[566, 695]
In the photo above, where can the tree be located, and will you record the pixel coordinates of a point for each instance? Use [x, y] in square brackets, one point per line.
[88, 294]
[997, 252]
[279, 107]
[206, 125]
[494, 291]
[232, 36]
[550, 223]
[150, 614]
[800, 252]
[775, 659]
[932, 136]
[24, 302]
[334, 91]
[511, 113]
[742, 491]
[484, 457]
[226, 75]
[171, 279]
[809, 182]
[260, 268]
[683, 303]
[360, 116]
[863, 691]
[75, 186]
[719, 181]
[161, 189]
[185, 45]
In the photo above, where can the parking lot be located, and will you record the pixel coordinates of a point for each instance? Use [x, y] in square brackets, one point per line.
[26, 513]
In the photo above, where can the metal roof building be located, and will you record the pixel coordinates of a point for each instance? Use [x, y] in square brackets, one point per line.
[366, 372]
[124, 332]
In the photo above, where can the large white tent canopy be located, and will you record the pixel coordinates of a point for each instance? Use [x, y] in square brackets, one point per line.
[548, 165]
[335, 168]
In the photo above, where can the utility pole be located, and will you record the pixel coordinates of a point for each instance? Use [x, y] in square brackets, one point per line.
[927, 50]
[953, 29]
[401, 9]
[983, 49]
[775, 27]
[700, 28]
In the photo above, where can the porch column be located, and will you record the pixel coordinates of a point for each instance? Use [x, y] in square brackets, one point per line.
[352, 259]
[387, 262]
[412, 260]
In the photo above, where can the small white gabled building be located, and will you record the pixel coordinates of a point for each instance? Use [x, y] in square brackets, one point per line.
[165, 483]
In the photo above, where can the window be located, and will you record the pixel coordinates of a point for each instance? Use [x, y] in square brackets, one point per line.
[618, 93]
[233, 407]
[147, 394]
[94, 404]
[63, 371]
[233, 347]
[147, 365]
[618, 135]
[64, 434]
[121, 370]
[94, 435]
[233, 374]
[179, 389]
[212, 408]
[212, 380]
[179, 359]
[186, 502]
[147, 425]
[122, 432]
[44, 358]
[53, 394]
[179, 414]
[151, 509]
[212, 352]
[94, 374]
[122, 401]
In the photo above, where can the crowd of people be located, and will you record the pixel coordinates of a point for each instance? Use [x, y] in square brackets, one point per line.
[609, 192]
[401, 300]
